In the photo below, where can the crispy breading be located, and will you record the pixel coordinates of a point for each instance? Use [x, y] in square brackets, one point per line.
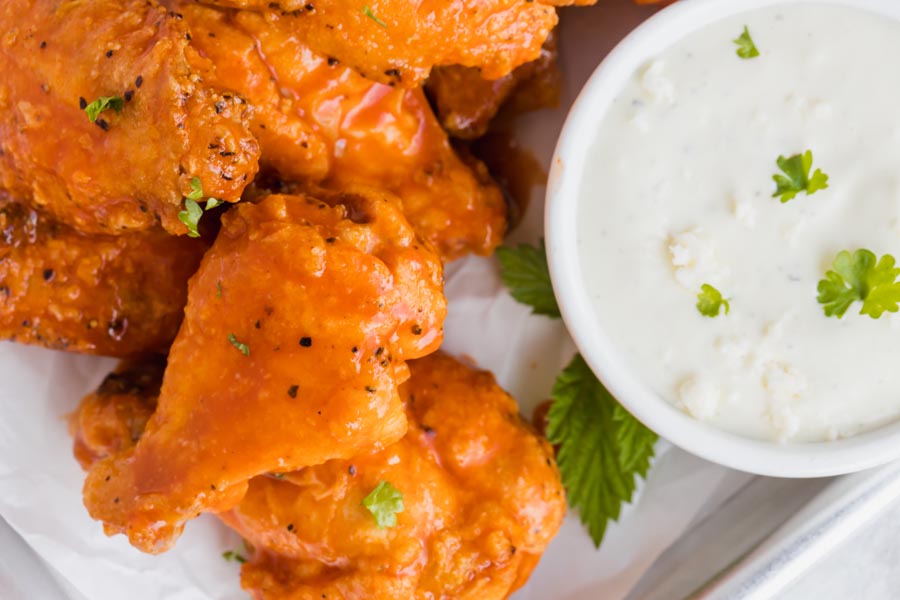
[321, 122]
[116, 295]
[296, 332]
[128, 170]
[481, 494]
[466, 102]
[399, 41]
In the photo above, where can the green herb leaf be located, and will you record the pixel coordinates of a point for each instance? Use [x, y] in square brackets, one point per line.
[525, 273]
[384, 502]
[368, 12]
[244, 348]
[212, 203]
[102, 103]
[862, 277]
[196, 192]
[190, 216]
[746, 47]
[796, 177]
[710, 301]
[230, 555]
[602, 447]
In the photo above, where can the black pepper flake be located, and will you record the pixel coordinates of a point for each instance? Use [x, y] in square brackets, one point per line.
[258, 324]
[379, 351]
[416, 330]
[292, 391]
[332, 61]
[354, 349]
[128, 95]
[428, 430]
[116, 500]
[330, 240]
[43, 45]
[212, 486]
[187, 36]
[48, 274]
[139, 81]
[370, 389]
[352, 470]
[82, 103]
[290, 527]
[306, 342]
[107, 477]
[109, 53]
[512, 550]
[102, 124]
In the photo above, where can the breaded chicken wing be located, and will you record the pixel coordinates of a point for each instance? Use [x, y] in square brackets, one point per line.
[318, 121]
[129, 169]
[466, 102]
[102, 294]
[296, 332]
[481, 496]
[399, 41]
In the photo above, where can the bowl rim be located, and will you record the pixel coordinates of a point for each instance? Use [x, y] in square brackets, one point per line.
[807, 459]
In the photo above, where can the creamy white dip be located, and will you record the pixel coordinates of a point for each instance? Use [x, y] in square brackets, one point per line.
[678, 193]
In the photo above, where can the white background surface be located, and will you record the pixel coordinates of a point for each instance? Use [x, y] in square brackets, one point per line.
[40, 481]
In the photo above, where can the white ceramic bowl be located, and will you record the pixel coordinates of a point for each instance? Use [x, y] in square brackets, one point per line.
[766, 458]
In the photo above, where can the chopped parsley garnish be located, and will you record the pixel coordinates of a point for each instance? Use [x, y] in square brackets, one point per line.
[384, 502]
[244, 348]
[525, 273]
[218, 289]
[860, 277]
[101, 104]
[192, 212]
[796, 177]
[368, 12]
[710, 301]
[230, 555]
[746, 47]
[602, 448]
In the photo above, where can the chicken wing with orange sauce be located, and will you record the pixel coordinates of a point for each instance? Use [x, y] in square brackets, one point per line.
[399, 41]
[481, 495]
[296, 332]
[130, 169]
[466, 102]
[320, 122]
[116, 295]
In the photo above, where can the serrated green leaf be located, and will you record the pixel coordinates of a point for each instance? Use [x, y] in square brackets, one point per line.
[860, 277]
[526, 275]
[796, 177]
[746, 47]
[384, 502]
[710, 301]
[602, 448]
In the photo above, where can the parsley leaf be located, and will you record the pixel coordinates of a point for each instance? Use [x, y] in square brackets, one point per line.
[384, 502]
[102, 103]
[860, 276]
[710, 301]
[244, 348]
[746, 47]
[190, 216]
[796, 169]
[602, 447]
[230, 555]
[525, 273]
[368, 12]
[192, 212]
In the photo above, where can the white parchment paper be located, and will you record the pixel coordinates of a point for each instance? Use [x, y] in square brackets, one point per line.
[40, 482]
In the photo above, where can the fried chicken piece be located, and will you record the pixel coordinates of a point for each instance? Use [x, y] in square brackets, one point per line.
[112, 419]
[296, 332]
[466, 102]
[399, 41]
[130, 169]
[482, 498]
[320, 122]
[116, 295]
